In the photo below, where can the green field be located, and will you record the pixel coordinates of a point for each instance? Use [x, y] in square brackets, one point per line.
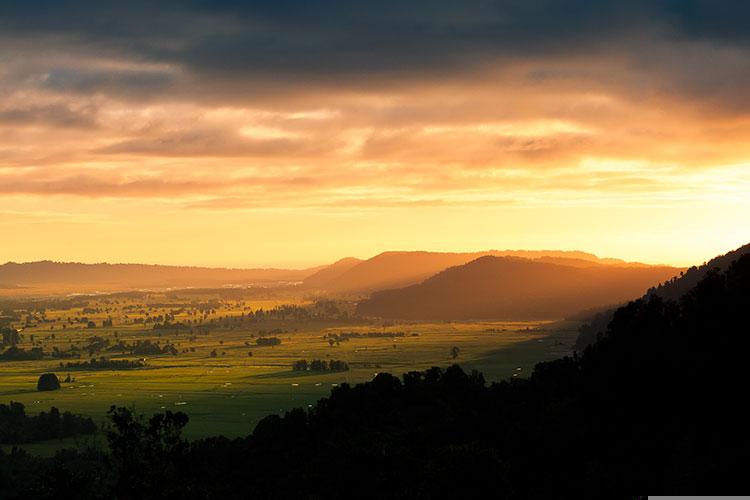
[229, 393]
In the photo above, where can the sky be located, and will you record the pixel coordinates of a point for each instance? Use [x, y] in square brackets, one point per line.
[294, 133]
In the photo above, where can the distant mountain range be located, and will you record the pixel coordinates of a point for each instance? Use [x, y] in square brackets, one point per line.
[86, 277]
[330, 273]
[348, 277]
[516, 288]
[398, 269]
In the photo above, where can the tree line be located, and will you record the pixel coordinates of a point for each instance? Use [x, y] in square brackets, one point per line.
[104, 363]
[18, 427]
[320, 365]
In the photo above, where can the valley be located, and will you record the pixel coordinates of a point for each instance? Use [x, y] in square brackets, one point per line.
[212, 367]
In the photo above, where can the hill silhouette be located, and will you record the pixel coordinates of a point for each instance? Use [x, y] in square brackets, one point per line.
[123, 276]
[640, 411]
[346, 276]
[515, 288]
[673, 289]
[398, 269]
[323, 277]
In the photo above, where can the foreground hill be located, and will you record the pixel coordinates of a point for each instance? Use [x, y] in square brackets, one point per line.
[123, 276]
[673, 289]
[398, 269]
[655, 406]
[514, 288]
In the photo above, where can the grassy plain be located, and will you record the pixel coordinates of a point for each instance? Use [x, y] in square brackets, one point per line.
[230, 392]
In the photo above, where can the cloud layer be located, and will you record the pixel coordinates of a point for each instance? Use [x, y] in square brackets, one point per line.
[375, 107]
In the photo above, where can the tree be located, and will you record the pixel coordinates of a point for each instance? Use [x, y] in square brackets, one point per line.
[48, 382]
[145, 452]
[10, 336]
[454, 352]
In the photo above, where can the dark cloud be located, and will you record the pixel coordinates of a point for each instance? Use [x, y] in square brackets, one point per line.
[217, 143]
[87, 80]
[55, 115]
[295, 42]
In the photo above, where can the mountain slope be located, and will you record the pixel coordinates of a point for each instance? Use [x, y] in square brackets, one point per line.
[513, 288]
[674, 289]
[329, 273]
[399, 269]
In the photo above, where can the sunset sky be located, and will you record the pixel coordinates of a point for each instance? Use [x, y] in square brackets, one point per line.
[294, 133]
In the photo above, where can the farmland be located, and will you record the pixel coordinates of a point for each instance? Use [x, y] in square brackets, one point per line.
[226, 359]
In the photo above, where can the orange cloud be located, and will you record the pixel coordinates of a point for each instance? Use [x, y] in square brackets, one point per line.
[510, 142]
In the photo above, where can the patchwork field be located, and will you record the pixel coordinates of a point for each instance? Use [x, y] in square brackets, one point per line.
[214, 369]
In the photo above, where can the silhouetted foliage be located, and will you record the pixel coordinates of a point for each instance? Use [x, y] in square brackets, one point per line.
[17, 427]
[10, 336]
[147, 453]
[17, 354]
[104, 364]
[346, 336]
[48, 382]
[268, 341]
[148, 348]
[320, 365]
[589, 331]
[675, 288]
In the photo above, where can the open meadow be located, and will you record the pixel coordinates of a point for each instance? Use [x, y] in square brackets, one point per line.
[228, 362]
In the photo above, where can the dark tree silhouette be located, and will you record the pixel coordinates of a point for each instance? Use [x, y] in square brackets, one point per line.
[48, 382]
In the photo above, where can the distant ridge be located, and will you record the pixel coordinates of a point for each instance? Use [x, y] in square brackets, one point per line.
[329, 273]
[397, 269]
[514, 288]
[119, 276]
[348, 277]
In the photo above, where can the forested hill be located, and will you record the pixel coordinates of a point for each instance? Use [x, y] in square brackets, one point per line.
[655, 406]
[676, 287]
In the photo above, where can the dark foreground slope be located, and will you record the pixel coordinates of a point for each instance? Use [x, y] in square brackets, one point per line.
[513, 288]
[679, 285]
[673, 289]
[655, 406]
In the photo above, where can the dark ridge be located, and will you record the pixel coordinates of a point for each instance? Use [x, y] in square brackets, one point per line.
[674, 289]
